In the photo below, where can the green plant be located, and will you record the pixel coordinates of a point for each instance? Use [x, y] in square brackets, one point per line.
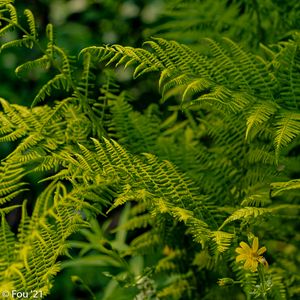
[216, 167]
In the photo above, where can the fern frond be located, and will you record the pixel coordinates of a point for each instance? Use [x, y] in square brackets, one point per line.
[25, 41]
[288, 74]
[42, 62]
[287, 129]
[255, 212]
[141, 195]
[199, 231]
[40, 238]
[60, 81]
[259, 115]
[135, 130]
[144, 60]
[277, 188]
[248, 279]
[7, 239]
[88, 78]
[278, 289]
[259, 199]
[66, 61]
[60, 106]
[224, 80]
[261, 154]
[222, 240]
[189, 21]
[31, 23]
[245, 213]
[50, 36]
[13, 13]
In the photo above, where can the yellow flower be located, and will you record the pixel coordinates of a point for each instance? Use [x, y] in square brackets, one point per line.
[251, 255]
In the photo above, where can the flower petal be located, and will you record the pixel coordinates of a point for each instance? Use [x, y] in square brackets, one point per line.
[241, 257]
[245, 246]
[255, 244]
[248, 264]
[261, 250]
[240, 250]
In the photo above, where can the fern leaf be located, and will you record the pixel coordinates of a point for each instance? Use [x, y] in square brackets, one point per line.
[42, 62]
[288, 128]
[259, 199]
[58, 82]
[198, 86]
[7, 239]
[25, 41]
[49, 34]
[181, 214]
[199, 230]
[260, 114]
[88, 78]
[245, 213]
[288, 74]
[128, 195]
[255, 73]
[66, 61]
[277, 188]
[31, 23]
[13, 136]
[222, 240]
[13, 13]
[8, 209]
[61, 106]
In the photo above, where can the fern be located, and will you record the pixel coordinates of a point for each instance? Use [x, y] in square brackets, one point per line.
[39, 239]
[218, 152]
[288, 127]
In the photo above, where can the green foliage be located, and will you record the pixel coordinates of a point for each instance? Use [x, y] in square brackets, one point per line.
[190, 21]
[157, 199]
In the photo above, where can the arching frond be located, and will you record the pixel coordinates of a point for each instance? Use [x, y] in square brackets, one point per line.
[244, 213]
[24, 42]
[42, 62]
[143, 60]
[58, 82]
[278, 188]
[259, 115]
[31, 23]
[13, 13]
[287, 129]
